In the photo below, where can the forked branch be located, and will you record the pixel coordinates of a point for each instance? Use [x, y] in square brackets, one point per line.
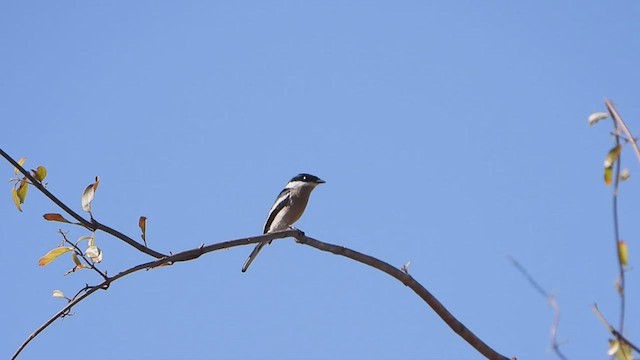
[162, 260]
[92, 224]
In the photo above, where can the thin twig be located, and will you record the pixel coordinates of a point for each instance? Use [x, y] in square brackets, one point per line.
[127, 239]
[616, 233]
[90, 264]
[612, 330]
[91, 225]
[192, 254]
[555, 345]
[618, 120]
[530, 278]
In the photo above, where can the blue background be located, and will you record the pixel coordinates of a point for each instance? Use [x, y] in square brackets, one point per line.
[450, 134]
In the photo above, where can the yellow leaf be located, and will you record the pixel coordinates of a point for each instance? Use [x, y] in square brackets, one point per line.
[623, 254]
[20, 162]
[88, 194]
[82, 238]
[76, 260]
[40, 173]
[16, 199]
[620, 349]
[608, 174]
[20, 193]
[22, 190]
[611, 159]
[55, 217]
[52, 255]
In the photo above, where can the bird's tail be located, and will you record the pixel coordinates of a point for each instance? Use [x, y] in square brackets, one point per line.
[253, 255]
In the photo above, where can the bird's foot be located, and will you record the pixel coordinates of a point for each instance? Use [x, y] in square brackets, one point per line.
[300, 235]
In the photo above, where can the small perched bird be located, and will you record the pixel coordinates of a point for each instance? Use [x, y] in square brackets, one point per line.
[287, 209]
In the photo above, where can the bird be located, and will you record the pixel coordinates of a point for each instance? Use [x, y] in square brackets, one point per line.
[287, 209]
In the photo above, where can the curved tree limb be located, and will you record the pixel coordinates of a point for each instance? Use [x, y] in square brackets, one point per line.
[162, 260]
[414, 285]
[192, 254]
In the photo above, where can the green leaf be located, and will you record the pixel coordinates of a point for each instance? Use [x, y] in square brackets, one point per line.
[53, 254]
[55, 217]
[40, 173]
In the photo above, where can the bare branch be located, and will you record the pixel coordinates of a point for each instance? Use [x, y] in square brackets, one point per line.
[192, 254]
[612, 330]
[414, 285]
[555, 345]
[619, 122]
[127, 239]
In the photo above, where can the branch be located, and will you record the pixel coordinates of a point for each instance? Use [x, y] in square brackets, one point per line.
[618, 120]
[93, 225]
[192, 254]
[555, 345]
[128, 240]
[612, 330]
[616, 185]
[414, 285]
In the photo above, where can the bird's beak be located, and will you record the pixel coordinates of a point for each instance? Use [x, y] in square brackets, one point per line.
[320, 181]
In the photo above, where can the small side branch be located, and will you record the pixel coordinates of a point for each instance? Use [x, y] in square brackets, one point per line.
[620, 123]
[612, 330]
[555, 345]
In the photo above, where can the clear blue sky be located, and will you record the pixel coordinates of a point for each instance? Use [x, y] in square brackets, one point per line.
[450, 134]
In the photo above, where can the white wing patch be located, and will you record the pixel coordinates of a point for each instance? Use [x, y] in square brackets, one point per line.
[283, 200]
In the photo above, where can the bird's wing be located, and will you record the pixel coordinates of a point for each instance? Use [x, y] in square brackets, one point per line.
[281, 201]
